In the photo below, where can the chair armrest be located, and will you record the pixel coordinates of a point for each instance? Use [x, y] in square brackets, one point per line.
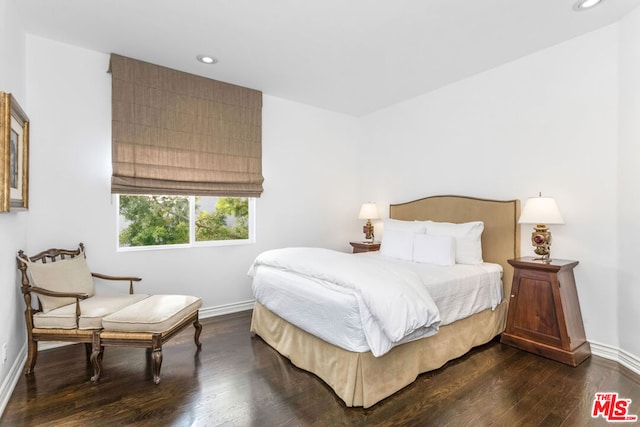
[107, 277]
[49, 293]
[129, 279]
[77, 296]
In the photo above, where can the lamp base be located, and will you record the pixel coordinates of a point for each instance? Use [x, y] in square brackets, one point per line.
[541, 241]
[367, 229]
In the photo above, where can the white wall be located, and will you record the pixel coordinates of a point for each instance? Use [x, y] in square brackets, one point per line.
[546, 122]
[629, 185]
[13, 226]
[310, 185]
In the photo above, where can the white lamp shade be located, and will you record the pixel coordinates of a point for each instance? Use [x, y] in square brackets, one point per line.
[541, 210]
[369, 211]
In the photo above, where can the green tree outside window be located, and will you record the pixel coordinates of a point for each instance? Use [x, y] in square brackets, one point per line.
[165, 220]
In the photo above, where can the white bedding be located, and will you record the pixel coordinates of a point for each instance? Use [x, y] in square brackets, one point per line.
[342, 316]
[386, 317]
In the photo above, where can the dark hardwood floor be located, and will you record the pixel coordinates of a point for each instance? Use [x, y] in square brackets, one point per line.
[237, 380]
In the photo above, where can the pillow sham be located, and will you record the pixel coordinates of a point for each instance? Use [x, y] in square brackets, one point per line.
[68, 275]
[468, 237]
[397, 244]
[437, 250]
[408, 226]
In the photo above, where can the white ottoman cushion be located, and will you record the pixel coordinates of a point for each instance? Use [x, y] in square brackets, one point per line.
[155, 314]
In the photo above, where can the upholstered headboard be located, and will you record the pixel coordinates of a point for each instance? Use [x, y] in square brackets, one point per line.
[501, 236]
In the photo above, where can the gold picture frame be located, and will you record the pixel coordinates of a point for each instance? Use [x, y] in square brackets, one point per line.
[14, 155]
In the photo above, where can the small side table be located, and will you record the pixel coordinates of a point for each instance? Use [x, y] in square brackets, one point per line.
[544, 312]
[359, 247]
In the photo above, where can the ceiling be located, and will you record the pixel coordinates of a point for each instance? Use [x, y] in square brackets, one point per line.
[350, 56]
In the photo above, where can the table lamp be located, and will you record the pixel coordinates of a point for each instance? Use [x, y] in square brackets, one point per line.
[541, 211]
[368, 211]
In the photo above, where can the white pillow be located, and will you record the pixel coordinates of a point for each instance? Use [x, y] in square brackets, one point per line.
[68, 275]
[438, 250]
[397, 244]
[468, 238]
[409, 226]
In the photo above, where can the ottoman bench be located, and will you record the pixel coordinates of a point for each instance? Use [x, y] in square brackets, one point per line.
[148, 323]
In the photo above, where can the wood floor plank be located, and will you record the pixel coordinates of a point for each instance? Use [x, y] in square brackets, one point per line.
[238, 380]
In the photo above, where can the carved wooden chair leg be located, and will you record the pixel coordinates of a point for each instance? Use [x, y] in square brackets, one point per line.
[96, 356]
[32, 356]
[156, 357]
[196, 338]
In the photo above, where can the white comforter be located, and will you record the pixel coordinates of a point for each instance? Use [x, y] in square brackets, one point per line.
[387, 317]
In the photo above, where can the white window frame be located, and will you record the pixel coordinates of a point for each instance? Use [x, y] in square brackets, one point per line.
[192, 231]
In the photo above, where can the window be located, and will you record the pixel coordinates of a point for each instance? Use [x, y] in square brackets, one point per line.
[168, 221]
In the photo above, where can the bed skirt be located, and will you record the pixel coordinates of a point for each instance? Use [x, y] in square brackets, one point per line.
[360, 379]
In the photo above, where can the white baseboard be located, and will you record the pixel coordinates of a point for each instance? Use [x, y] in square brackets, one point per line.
[624, 358]
[9, 383]
[226, 309]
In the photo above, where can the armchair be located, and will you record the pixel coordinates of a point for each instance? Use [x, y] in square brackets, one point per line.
[67, 308]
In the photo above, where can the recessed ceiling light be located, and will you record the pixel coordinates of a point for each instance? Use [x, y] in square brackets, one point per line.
[586, 4]
[205, 59]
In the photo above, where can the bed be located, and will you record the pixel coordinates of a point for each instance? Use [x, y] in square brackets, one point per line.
[361, 378]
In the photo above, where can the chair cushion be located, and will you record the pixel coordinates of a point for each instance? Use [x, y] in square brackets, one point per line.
[155, 314]
[68, 275]
[92, 311]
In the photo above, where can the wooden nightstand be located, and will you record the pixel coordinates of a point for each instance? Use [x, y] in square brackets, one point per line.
[544, 313]
[364, 247]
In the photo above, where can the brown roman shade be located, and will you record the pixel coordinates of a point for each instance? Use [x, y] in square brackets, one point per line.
[178, 133]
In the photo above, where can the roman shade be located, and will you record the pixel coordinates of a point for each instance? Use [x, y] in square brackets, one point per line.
[176, 133]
